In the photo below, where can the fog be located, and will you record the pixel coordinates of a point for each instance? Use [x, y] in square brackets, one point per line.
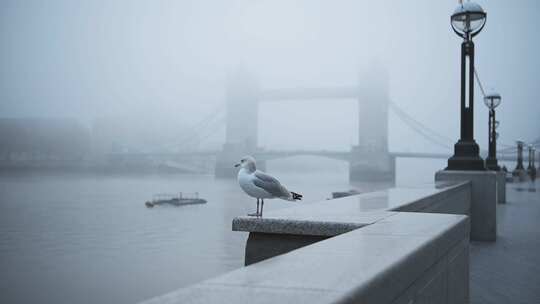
[138, 61]
[140, 89]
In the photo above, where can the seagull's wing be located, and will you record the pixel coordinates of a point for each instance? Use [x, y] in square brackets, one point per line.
[270, 184]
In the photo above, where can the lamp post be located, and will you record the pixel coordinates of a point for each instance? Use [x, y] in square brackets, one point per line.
[530, 158]
[519, 165]
[492, 100]
[538, 169]
[531, 169]
[534, 166]
[467, 21]
[519, 171]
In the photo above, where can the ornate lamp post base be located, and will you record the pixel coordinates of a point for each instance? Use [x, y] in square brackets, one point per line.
[491, 164]
[466, 157]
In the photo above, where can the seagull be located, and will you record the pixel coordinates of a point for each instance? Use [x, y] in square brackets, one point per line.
[260, 185]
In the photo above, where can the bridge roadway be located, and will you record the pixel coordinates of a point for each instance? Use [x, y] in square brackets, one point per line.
[351, 92]
[277, 154]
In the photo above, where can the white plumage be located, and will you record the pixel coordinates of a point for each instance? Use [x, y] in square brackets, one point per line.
[260, 185]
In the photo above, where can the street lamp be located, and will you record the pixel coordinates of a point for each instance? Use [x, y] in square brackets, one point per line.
[519, 165]
[531, 169]
[534, 172]
[492, 100]
[538, 170]
[467, 21]
[519, 171]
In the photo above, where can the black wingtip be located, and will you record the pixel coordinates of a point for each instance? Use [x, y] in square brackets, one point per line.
[296, 196]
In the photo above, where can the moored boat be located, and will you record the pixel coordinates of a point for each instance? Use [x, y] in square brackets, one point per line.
[179, 199]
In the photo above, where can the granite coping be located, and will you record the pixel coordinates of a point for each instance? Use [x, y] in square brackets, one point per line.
[337, 216]
[374, 264]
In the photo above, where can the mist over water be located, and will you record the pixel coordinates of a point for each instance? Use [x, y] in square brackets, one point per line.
[87, 239]
[98, 99]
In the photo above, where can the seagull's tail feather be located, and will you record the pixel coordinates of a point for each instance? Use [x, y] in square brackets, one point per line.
[296, 196]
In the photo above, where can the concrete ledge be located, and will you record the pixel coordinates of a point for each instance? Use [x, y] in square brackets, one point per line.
[262, 246]
[404, 258]
[303, 224]
[483, 200]
[313, 226]
[455, 199]
[369, 248]
[337, 216]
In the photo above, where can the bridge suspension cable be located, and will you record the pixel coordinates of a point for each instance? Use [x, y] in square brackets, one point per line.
[438, 139]
[206, 127]
[422, 129]
[201, 130]
[479, 83]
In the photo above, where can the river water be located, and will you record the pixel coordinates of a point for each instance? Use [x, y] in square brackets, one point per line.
[89, 239]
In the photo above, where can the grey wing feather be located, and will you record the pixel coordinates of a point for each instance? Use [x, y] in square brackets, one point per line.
[270, 184]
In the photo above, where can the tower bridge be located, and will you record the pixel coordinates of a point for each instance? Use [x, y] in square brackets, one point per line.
[369, 160]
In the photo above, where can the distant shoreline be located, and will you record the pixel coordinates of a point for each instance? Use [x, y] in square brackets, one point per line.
[89, 168]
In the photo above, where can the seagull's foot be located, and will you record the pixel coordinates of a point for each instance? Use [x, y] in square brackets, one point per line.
[253, 214]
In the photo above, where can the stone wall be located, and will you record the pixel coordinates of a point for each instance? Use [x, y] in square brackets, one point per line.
[288, 229]
[405, 258]
[368, 248]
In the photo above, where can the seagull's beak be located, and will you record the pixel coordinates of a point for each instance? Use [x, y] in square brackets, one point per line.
[237, 165]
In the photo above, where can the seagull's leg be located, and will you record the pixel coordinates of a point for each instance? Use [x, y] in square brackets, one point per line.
[262, 206]
[257, 213]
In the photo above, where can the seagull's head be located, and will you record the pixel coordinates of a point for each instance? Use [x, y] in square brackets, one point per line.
[247, 162]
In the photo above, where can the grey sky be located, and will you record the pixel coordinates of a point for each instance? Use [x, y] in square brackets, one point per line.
[87, 59]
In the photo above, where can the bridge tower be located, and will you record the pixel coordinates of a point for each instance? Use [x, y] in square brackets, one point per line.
[370, 159]
[242, 103]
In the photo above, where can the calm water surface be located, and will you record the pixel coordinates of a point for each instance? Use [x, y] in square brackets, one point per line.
[89, 239]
